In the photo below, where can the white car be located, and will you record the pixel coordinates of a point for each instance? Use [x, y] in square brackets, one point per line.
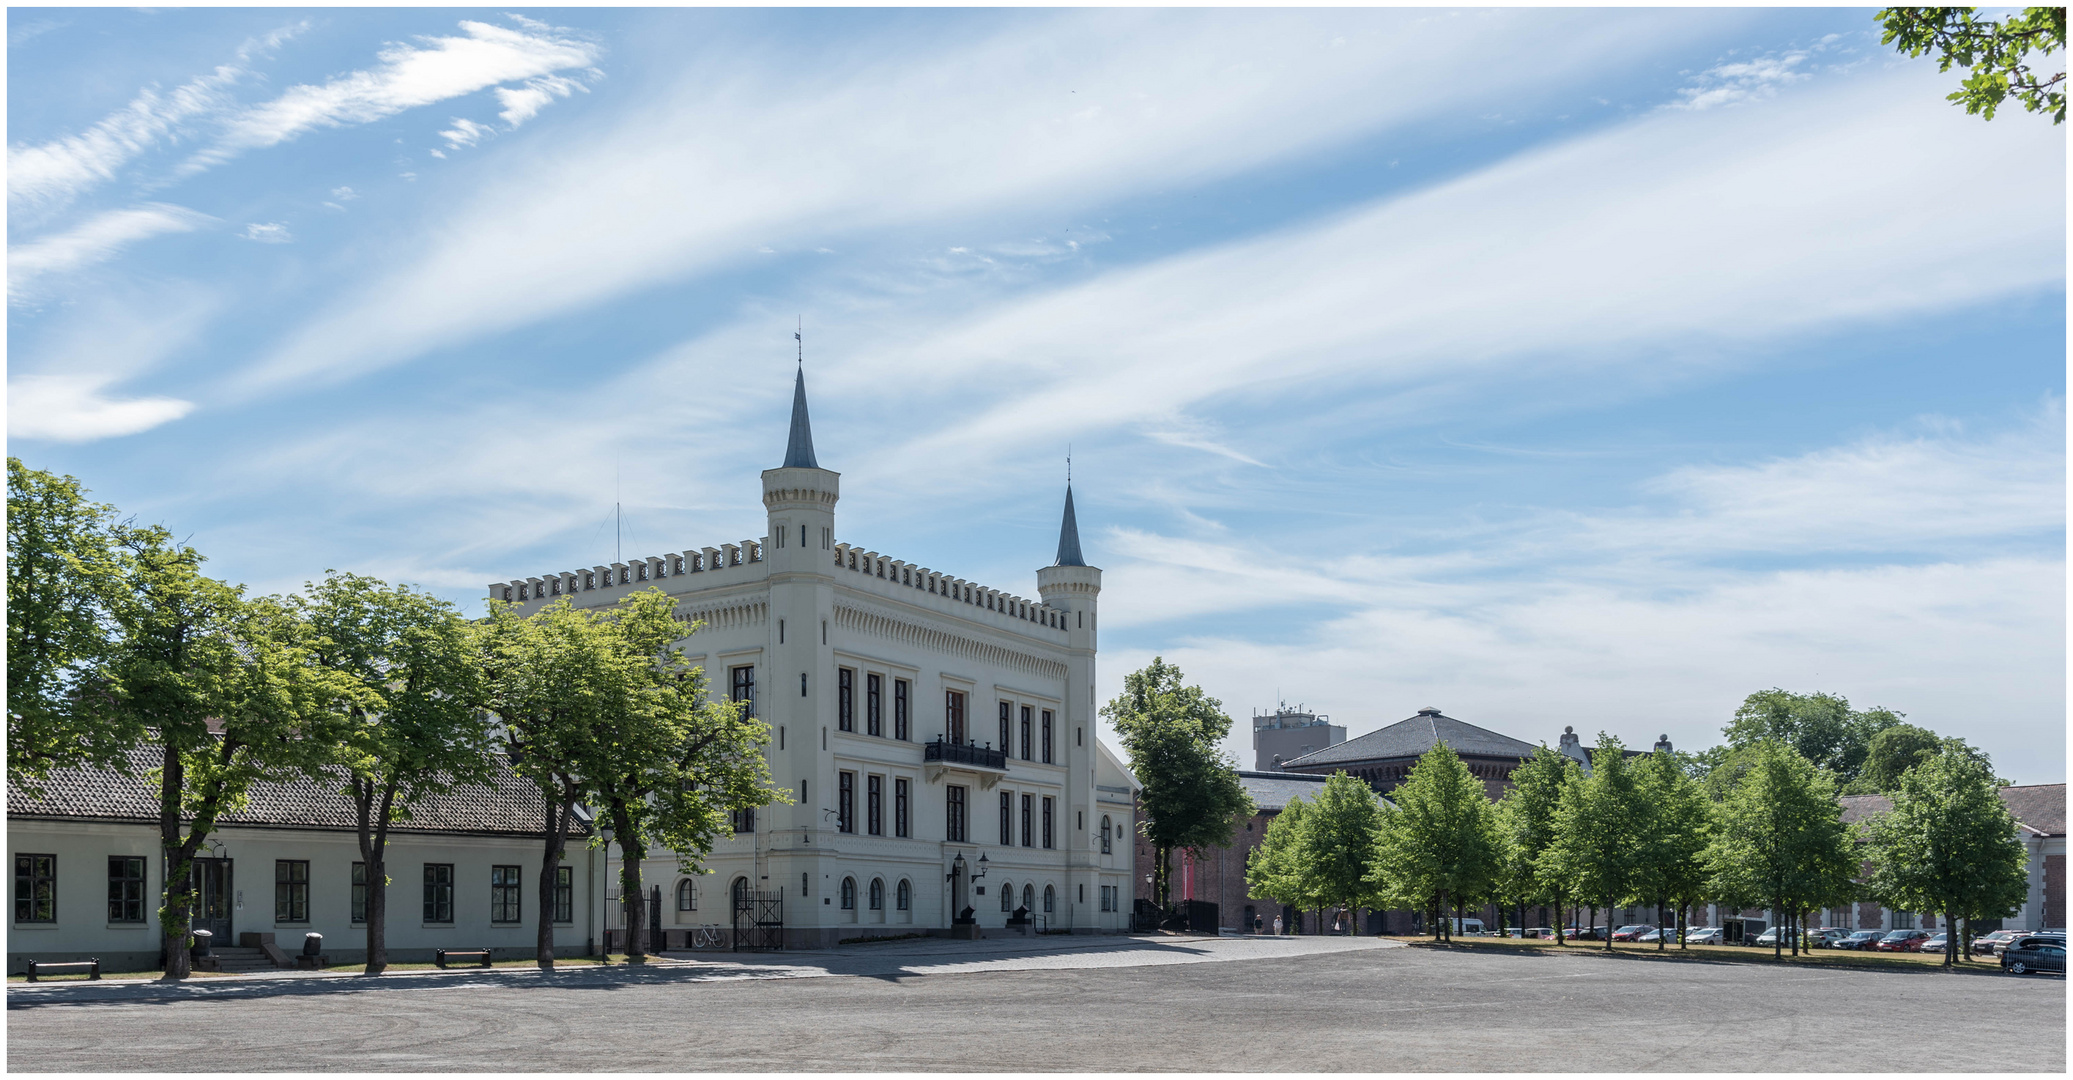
[1702, 935]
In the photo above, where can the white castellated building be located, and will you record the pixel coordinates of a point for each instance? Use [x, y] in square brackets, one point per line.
[937, 737]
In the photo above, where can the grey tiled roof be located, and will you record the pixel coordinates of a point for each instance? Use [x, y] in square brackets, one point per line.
[2040, 806]
[1273, 790]
[1412, 738]
[509, 805]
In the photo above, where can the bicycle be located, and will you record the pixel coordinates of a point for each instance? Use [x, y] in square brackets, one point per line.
[707, 937]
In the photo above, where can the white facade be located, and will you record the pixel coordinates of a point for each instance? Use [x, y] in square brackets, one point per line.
[886, 687]
[88, 918]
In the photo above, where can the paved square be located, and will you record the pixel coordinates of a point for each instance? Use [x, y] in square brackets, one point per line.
[1123, 1004]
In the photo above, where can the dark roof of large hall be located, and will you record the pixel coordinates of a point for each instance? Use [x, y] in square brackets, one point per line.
[1272, 791]
[2040, 807]
[1412, 738]
[509, 805]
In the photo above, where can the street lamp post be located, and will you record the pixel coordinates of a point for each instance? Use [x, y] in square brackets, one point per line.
[604, 952]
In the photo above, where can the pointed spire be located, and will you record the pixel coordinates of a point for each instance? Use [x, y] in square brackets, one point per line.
[799, 450]
[1069, 536]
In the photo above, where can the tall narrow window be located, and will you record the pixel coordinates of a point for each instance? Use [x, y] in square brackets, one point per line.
[874, 805]
[744, 819]
[953, 717]
[900, 826]
[438, 892]
[1007, 819]
[1028, 834]
[877, 894]
[1007, 896]
[904, 896]
[846, 802]
[874, 704]
[1047, 737]
[1027, 754]
[126, 888]
[954, 814]
[1050, 899]
[687, 895]
[846, 700]
[900, 709]
[504, 891]
[35, 888]
[1007, 710]
[1050, 816]
[849, 894]
[359, 896]
[1105, 826]
[291, 890]
[743, 688]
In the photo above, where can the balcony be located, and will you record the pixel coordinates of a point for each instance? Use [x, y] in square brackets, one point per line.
[965, 755]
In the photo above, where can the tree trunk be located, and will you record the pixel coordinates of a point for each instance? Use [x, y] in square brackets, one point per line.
[374, 844]
[1778, 939]
[1162, 875]
[631, 852]
[556, 828]
[178, 860]
[1608, 924]
[1950, 938]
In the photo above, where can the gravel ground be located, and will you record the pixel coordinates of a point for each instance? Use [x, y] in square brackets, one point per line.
[1110, 1004]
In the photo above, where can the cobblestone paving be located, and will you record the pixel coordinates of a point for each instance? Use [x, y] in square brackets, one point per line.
[1114, 1004]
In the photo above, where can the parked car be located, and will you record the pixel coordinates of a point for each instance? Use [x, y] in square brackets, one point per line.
[1902, 941]
[1826, 937]
[1935, 944]
[1770, 938]
[1862, 939]
[2034, 953]
[1536, 932]
[1702, 935]
[1990, 944]
[1629, 933]
[1585, 933]
[1660, 934]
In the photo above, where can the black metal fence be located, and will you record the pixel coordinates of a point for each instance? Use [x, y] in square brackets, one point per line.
[759, 920]
[950, 753]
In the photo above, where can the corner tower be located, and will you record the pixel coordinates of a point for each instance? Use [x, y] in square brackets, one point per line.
[1069, 583]
[800, 497]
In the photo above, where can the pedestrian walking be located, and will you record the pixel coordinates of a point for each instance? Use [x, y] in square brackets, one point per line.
[1277, 926]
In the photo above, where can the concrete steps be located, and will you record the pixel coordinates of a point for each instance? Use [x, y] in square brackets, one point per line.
[232, 958]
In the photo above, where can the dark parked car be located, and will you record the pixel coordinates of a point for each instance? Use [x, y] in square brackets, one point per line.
[1629, 933]
[1862, 939]
[2030, 954]
[1902, 941]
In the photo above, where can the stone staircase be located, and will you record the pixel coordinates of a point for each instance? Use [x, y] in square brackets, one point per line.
[234, 959]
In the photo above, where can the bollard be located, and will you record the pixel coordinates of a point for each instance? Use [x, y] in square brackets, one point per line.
[312, 943]
[202, 940]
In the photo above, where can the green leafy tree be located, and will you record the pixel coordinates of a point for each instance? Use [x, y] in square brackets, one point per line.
[1948, 844]
[1339, 844]
[1677, 827]
[670, 766]
[1780, 839]
[1525, 821]
[413, 727]
[1995, 53]
[1899, 748]
[224, 689]
[1174, 734]
[1440, 848]
[1598, 825]
[62, 575]
[1820, 727]
[1278, 867]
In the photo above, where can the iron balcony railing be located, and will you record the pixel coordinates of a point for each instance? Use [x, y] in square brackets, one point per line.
[950, 753]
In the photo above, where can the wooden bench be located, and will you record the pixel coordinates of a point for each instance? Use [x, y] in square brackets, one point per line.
[47, 967]
[439, 957]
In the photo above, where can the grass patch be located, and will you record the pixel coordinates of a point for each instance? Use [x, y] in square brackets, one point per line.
[1732, 953]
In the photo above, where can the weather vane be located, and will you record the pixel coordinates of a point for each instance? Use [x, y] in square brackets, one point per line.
[799, 336]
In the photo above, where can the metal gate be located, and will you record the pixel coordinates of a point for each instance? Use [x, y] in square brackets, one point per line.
[759, 920]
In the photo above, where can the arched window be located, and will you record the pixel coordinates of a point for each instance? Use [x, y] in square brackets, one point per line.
[687, 896]
[1029, 898]
[1104, 834]
[877, 894]
[740, 891]
[1007, 896]
[1050, 899]
[905, 895]
[849, 894]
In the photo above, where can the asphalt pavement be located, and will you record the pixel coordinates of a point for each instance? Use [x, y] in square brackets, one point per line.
[1108, 1004]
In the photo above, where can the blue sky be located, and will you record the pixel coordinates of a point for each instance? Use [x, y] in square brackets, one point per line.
[1588, 368]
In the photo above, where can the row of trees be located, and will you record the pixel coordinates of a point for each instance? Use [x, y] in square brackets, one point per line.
[118, 642]
[1647, 830]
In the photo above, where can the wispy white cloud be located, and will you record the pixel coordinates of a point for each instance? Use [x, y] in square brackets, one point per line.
[1742, 80]
[272, 232]
[464, 132]
[525, 102]
[871, 140]
[46, 176]
[74, 408]
[435, 69]
[96, 239]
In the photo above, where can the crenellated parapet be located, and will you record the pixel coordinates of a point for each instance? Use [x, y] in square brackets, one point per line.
[956, 590]
[651, 568]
